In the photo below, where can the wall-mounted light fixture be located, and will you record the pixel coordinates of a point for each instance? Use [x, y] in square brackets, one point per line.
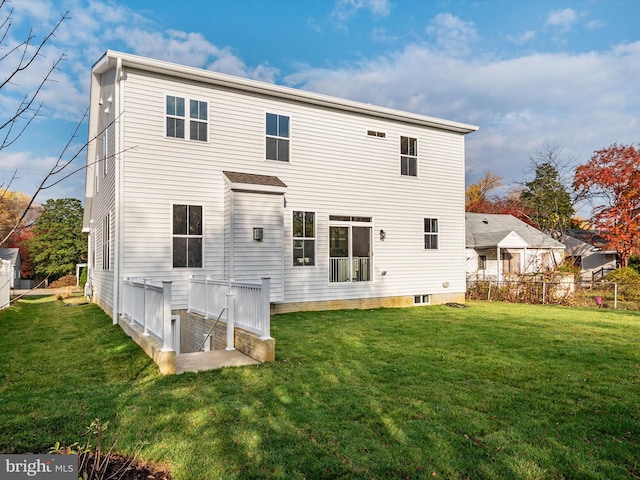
[258, 233]
[383, 235]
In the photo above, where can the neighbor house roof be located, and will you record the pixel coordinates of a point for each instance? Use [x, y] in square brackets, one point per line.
[579, 241]
[11, 254]
[485, 230]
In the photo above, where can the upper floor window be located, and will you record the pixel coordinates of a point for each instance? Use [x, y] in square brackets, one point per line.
[187, 236]
[304, 239]
[409, 156]
[198, 120]
[277, 130]
[431, 233]
[176, 117]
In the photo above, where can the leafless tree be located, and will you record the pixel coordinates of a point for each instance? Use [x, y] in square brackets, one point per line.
[21, 58]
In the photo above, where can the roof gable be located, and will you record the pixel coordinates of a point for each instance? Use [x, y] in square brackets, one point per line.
[10, 254]
[489, 230]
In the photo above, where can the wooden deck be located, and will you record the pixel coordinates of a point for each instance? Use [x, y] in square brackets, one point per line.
[201, 361]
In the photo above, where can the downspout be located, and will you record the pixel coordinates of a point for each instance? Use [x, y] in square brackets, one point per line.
[118, 236]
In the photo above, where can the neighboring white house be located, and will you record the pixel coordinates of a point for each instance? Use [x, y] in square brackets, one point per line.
[586, 249]
[342, 204]
[12, 255]
[498, 245]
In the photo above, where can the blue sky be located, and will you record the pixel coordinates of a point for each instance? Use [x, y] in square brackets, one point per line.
[529, 73]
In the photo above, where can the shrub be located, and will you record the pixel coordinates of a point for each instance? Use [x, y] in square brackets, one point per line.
[83, 277]
[66, 281]
[628, 281]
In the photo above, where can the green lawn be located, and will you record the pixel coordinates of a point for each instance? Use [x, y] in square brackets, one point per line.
[493, 391]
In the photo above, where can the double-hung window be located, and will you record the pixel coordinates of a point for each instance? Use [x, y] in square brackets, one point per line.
[187, 236]
[105, 151]
[176, 118]
[198, 120]
[304, 239]
[409, 156]
[106, 242]
[431, 233]
[277, 137]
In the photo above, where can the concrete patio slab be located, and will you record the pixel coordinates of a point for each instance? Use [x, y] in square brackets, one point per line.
[201, 361]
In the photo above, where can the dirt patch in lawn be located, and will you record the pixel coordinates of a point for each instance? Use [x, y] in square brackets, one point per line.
[123, 468]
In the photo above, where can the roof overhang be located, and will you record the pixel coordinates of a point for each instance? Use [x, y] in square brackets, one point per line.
[250, 182]
[110, 60]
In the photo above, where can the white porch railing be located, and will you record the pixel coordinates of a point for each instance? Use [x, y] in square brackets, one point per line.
[147, 303]
[6, 273]
[247, 304]
[343, 269]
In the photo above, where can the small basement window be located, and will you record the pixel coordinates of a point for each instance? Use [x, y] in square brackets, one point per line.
[422, 299]
[373, 133]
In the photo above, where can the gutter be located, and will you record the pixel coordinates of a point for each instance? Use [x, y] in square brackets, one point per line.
[288, 93]
[118, 181]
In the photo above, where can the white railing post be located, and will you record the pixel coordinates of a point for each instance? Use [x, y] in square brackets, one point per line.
[189, 292]
[144, 306]
[231, 321]
[206, 297]
[131, 299]
[167, 334]
[265, 308]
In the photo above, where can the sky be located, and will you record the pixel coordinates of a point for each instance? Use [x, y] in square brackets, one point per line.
[530, 74]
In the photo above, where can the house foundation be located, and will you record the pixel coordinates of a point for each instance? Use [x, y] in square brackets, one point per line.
[365, 303]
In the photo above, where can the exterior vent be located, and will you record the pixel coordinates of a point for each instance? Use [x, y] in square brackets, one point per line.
[373, 133]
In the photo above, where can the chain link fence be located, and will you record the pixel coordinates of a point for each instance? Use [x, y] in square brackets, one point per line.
[556, 292]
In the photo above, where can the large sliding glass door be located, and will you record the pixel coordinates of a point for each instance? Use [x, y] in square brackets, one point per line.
[349, 249]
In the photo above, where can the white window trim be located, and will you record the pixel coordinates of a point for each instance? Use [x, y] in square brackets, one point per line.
[106, 242]
[105, 151]
[171, 235]
[265, 136]
[186, 118]
[351, 224]
[416, 157]
[315, 238]
[424, 234]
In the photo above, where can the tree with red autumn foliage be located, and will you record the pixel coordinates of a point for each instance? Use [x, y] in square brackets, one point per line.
[478, 199]
[612, 178]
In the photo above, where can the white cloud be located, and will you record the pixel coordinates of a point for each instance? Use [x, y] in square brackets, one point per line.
[579, 101]
[596, 24]
[563, 19]
[523, 38]
[345, 9]
[453, 35]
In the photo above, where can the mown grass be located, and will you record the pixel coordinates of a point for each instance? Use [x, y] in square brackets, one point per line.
[494, 391]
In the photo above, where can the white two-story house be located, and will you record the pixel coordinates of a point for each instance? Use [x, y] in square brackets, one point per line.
[342, 204]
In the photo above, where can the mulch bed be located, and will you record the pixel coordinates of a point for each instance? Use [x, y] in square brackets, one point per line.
[122, 468]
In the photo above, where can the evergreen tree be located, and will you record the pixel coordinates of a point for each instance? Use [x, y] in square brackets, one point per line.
[58, 243]
[548, 200]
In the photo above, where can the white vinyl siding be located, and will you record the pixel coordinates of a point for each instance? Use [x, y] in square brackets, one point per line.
[326, 178]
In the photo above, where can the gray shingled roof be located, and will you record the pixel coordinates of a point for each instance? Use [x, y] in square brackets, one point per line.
[11, 254]
[487, 230]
